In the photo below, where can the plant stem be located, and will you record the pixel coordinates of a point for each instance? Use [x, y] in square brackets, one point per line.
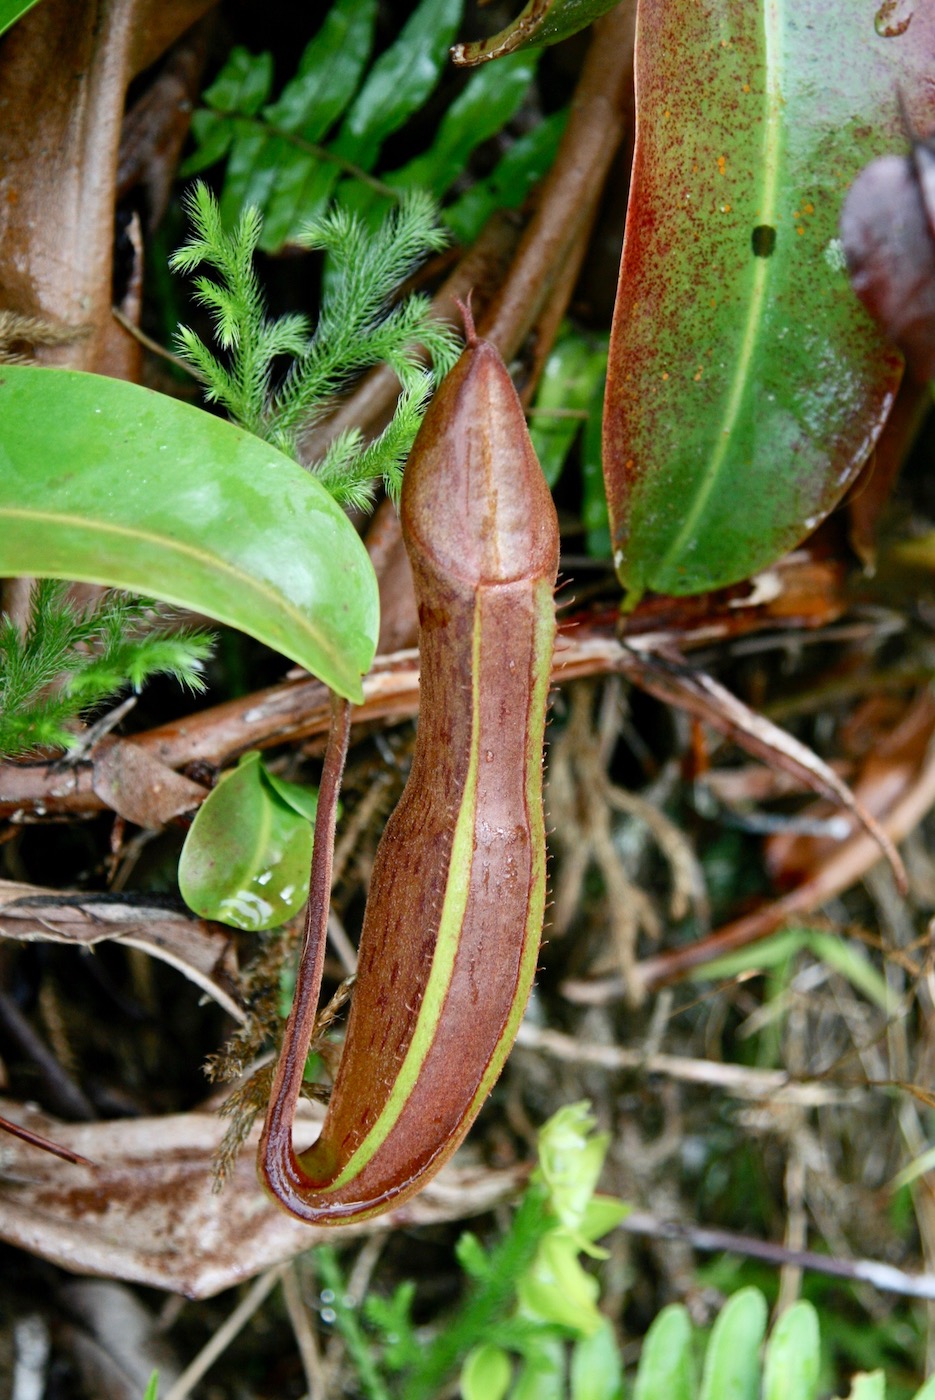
[491, 1301]
[348, 1324]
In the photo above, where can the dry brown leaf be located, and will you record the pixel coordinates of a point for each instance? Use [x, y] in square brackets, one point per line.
[138, 786]
[202, 951]
[668, 678]
[147, 1214]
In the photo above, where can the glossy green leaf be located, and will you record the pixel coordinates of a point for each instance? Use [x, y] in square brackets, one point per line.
[573, 373]
[298, 796]
[243, 84]
[512, 178]
[329, 71]
[747, 384]
[540, 22]
[399, 81]
[288, 183]
[107, 482]
[667, 1370]
[793, 1356]
[732, 1360]
[12, 10]
[490, 99]
[247, 854]
[486, 1373]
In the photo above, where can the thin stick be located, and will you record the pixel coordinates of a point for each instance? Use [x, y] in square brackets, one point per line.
[46, 1144]
[743, 1081]
[883, 1276]
[305, 1338]
[225, 1334]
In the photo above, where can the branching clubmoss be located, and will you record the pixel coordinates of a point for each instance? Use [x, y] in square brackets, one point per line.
[357, 328]
[71, 657]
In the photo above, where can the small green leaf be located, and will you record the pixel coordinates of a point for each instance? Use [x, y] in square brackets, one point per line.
[732, 1361]
[868, 1385]
[557, 1289]
[491, 97]
[573, 372]
[243, 84]
[543, 1374]
[399, 81]
[106, 482]
[852, 962]
[596, 1373]
[247, 855]
[299, 796]
[928, 1390]
[540, 22]
[12, 10]
[793, 1356]
[486, 1373]
[512, 178]
[152, 1387]
[666, 1370]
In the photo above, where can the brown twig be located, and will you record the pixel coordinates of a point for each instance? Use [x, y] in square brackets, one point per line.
[872, 1271]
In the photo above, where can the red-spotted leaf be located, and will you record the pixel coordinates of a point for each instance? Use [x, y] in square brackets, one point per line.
[747, 384]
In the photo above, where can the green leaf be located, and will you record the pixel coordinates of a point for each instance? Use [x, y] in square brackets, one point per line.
[287, 183]
[594, 516]
[732, 1361]
[540, 22]
[399, 81]
[152, 1387]
[247, 855]
[793, 1356]
[329, 71]
[574, 371]
[543, 1374]
[666, 1370]
[556, 1288]
[747, 384]
[12, 10]
[596, 1373]
[243, 84]
[928, 1390]
[869, 1385]
[106, 482]
[850, 960]
[486, 1373]
[512, 178]
[491, 97]
[299, 796]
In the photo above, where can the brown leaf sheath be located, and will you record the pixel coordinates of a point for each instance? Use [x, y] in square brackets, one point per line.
[451, 933]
